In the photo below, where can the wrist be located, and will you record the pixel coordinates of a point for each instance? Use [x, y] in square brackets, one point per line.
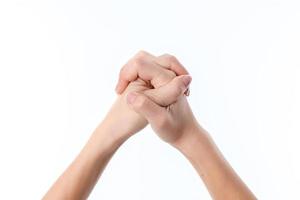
[194, 136]
[121, 122]
[109, 136]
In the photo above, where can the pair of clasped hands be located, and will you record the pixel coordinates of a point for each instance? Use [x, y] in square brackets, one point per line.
[152, 89]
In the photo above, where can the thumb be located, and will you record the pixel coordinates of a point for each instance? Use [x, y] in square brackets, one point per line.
[170, 92]
[145, 107]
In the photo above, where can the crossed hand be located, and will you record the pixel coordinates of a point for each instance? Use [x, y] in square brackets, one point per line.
[151, 90]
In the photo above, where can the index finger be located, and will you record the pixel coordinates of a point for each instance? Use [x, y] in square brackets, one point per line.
[171, 62]
[143, 66]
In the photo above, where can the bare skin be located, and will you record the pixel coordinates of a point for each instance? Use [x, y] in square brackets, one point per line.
[152, 90]
[178, 127]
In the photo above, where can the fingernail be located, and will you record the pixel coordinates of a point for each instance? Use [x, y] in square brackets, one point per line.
[187, 92]
[187, 80]
[131, 97]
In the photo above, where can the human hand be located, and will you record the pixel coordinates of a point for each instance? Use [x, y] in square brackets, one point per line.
[156, 95]
[147, 77]
[169, 116]
[152, 69]
[157, 82]
[177, 125]
[171, 122]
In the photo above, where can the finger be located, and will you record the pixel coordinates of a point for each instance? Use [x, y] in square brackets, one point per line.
[142, 65]
[129, 71]
[171, 62]
[170, 92]
[145, 106]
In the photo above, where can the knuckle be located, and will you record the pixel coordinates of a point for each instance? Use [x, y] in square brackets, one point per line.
[124, 73]
[141, 54]
[171, 58]
[138, 61]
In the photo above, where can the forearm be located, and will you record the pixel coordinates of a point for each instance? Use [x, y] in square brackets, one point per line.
[81, 176]
[220, 179]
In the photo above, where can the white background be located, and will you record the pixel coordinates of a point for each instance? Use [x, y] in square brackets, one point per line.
[59, 62]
